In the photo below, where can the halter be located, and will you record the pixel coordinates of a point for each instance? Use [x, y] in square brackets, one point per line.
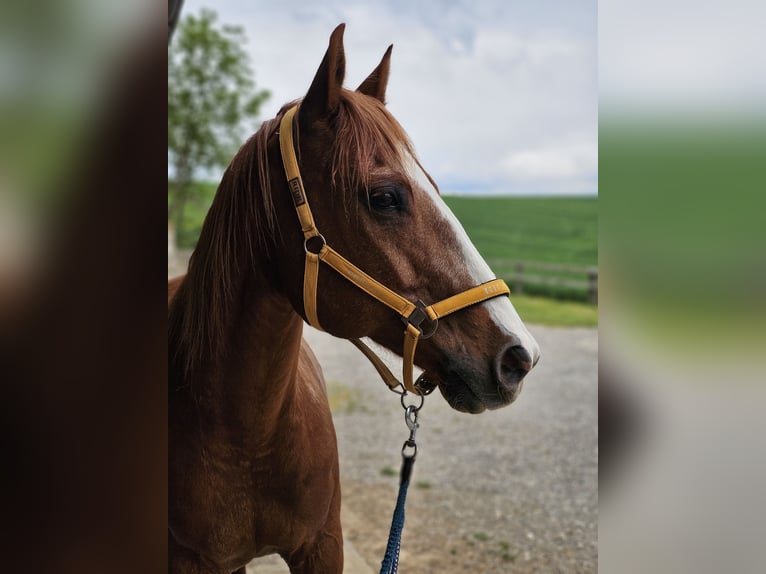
[412, 314]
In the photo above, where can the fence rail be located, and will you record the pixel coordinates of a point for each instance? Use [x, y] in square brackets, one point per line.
[518, 273]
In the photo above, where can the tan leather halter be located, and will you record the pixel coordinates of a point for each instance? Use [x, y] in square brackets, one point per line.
[412, 314]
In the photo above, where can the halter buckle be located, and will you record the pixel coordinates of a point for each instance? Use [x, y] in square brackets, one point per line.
[417, 317]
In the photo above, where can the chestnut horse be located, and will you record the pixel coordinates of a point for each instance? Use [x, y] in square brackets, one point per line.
[253, 462]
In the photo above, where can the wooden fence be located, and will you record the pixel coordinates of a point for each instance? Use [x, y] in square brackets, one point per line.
[552, 274]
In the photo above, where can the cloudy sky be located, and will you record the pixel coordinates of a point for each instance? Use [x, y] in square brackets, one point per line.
[682, 57]
[499, 96]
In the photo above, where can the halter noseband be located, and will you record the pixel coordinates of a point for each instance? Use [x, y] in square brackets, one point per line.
[412, 314]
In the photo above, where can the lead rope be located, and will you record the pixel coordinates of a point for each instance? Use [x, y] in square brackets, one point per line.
[390, 564]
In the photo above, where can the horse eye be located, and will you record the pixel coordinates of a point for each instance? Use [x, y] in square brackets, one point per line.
[384, 199]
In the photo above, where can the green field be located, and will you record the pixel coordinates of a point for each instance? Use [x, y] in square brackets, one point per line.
[553, 229]
[194, 213]
[558, 230]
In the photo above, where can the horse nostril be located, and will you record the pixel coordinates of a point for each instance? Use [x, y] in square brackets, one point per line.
[513, 363]
[522, 355]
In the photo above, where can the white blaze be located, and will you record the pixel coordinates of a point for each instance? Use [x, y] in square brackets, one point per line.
[500, 309]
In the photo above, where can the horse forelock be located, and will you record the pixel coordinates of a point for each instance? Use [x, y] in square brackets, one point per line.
[367, 137]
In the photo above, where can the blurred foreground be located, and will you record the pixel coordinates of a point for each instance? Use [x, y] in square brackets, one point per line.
[82, 304]
[682, 172]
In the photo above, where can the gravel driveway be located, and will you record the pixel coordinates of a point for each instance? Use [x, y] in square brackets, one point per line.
[513, 490]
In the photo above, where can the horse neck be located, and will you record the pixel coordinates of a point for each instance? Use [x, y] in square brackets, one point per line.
[265, 345]
[255, 379]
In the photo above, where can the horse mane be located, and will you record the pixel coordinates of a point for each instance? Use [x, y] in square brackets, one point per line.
[367, 137]
[242, 225]
[239, 223]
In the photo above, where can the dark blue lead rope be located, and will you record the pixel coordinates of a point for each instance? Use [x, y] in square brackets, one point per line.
[390, 564]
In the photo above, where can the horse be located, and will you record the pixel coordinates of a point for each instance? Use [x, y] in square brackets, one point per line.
[253, 460]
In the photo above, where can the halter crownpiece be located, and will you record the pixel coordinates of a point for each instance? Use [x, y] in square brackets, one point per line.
[413, 314]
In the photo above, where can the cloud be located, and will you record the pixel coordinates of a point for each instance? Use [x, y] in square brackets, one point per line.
[683, 55]
[541, 164]
[482, 87]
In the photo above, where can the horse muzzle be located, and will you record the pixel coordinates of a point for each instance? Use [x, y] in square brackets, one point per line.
[490, 384]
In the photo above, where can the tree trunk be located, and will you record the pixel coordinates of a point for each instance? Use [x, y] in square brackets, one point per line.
[179, 196]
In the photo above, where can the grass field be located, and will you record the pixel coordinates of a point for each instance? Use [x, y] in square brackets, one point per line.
[547, 311]
[559, 230]
[194, 213]
[552, 229]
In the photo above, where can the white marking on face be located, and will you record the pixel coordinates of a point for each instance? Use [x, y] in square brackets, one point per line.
[501, 310]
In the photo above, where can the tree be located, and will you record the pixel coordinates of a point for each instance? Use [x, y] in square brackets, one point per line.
[211, 95]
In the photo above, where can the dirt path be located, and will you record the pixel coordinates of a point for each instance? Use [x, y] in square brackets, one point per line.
[513, 490]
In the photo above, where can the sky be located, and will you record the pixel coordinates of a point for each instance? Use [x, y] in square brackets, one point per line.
[498, 96]
[683, 57]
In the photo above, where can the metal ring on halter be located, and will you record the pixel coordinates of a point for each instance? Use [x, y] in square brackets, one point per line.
[406, 406]
[417, 317]
[306, 243]
[427, 334]
[423, 385]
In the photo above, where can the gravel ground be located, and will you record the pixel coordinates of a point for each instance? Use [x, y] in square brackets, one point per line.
[513, 490]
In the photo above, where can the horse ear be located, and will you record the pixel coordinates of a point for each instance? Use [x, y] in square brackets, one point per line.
[376, 83]
[323, 97]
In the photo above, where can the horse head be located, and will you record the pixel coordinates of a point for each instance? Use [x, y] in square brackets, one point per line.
[374, 203]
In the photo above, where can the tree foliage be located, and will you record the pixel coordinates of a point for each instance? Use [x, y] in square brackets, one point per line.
[211, 96]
